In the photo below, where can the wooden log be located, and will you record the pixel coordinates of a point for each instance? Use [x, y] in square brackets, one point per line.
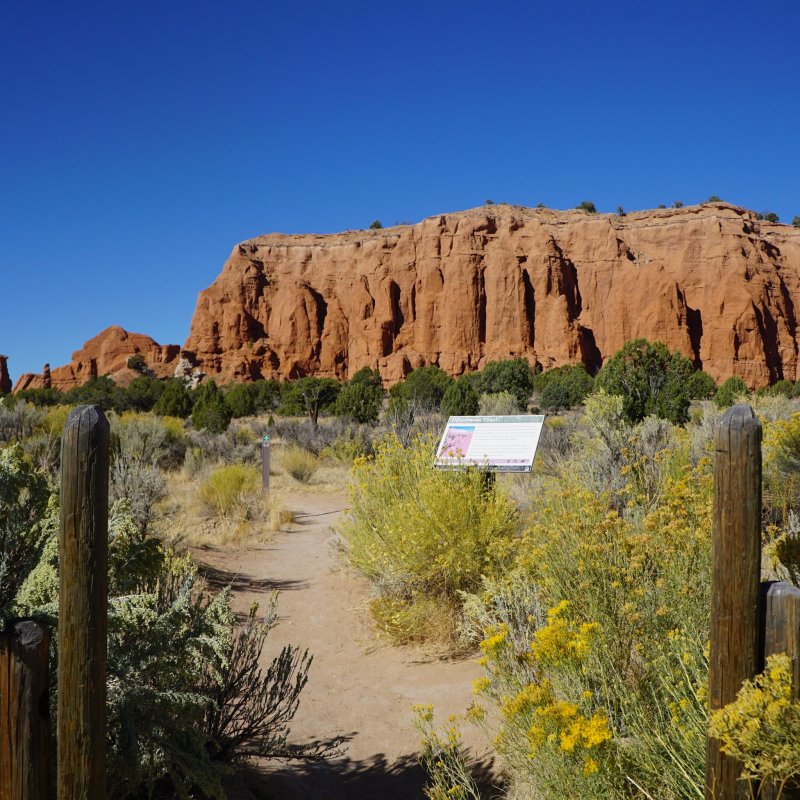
[24, 712]
[735, 581]
[83, 606]
[782, 635]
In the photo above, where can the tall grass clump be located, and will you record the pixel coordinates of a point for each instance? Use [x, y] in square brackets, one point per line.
[422, 536]
[299, 463]
[230, 490]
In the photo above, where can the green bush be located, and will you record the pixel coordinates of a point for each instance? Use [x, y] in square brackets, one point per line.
[175, 400]
[241, 399]
[210, 412]
[701, 386]
[730, 391]
[514, 375]
[41, 397]
[588, 206]
[422, 535]
[267, 395]
[144, 392]
[376, 225]
[137, 363]
[796, 222]
[360, 400]
[100, 391]
[498, 404]
[782, 388]
[460, 398]
[650, 379]
[564, 387]
[423, 387]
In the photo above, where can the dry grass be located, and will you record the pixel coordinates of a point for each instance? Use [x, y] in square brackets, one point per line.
[299, 463]
[188, 521]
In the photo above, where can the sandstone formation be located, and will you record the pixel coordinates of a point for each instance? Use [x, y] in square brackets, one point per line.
[494, 282]
[5, 379]
[106, 354]
[502, 281]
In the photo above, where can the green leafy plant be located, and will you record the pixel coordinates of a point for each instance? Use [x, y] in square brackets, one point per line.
[210, 411]
[588, 206]
[174, 401]
[460, 398]
[730, 391]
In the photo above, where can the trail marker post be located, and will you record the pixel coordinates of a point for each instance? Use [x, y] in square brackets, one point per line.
[265, 463]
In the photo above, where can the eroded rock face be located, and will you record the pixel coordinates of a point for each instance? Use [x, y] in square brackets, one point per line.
[5, 379]
[106, 354]
[497, 282]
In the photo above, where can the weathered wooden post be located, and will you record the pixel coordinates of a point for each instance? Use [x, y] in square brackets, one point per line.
[24, 712]
[83, 606]
[735, 580]
[782, 635]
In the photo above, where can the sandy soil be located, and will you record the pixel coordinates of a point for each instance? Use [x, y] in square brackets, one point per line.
[360, 687]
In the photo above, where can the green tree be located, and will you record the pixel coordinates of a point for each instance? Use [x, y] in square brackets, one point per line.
[424, 386]
[714, 199]
[267, 395]
[376, 225]
[241, 399]
[137, 363]
[144, 392]
[730, 390]
[175, 400]
[650, 379]
[359, 401]
[796, 222]
[678, 204]
[210, 412]
[564, 387]
[514, 375]
[41, 397]
[310, 396]
[460, 398]
[588, 206]
[701, 386]
[782, 388]
[98, 391]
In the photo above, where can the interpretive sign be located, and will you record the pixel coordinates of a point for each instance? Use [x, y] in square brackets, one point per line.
[499, 444]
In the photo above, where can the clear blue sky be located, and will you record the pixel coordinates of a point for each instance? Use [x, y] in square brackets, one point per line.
[139, 141]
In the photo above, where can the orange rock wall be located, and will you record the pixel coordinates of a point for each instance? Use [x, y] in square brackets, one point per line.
[502, 281]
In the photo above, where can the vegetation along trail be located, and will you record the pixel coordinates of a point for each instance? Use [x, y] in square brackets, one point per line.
[359, 688]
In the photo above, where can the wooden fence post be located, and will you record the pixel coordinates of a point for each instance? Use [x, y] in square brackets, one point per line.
[24, 712]
[83, 606]
[735, 581]
[782, 635]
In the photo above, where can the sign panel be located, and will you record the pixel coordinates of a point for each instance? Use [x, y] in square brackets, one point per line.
[499, 444]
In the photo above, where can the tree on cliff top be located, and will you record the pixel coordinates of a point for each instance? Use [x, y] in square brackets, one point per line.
[650, 379]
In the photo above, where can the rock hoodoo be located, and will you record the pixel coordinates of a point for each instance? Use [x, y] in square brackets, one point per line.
[5, 378]
[494, 282]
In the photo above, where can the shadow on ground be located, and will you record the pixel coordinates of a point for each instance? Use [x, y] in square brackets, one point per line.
[241, 581]
[344, 779]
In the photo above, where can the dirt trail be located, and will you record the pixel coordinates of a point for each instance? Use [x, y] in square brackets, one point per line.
[359, 687]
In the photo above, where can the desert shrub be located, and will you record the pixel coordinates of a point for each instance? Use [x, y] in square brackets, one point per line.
[730, 391]
[210, 412]
[175, 400]
[19, 419]
[701, 386]
[353, 442]
[424, 387]
[230, 489]
[588, 206]
[781, 388]
[761, 727]
[136, 362]
[144, 392]
[564, 387]
[460, 398]
[796, 222]
[309, 396]
[176, 660]
[498, 404]
[141, 484]
[781, 470]
[99, 391]
[317, 438]
[375, 225]
[360, 400]
[420, 534]
[238, 444]
[513, 375]
[241, 399]
[594, 647]
[768, 216]
[267, 395]
[301, 464]
[41, 397]
[160, 441]
[650, 379]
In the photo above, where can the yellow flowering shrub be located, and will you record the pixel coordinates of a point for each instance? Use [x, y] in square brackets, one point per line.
[422, 534]
[761, 728]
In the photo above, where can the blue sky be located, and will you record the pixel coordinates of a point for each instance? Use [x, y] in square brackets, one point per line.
[139, 142]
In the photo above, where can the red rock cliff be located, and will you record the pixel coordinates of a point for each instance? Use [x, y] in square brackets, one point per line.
[502, 281]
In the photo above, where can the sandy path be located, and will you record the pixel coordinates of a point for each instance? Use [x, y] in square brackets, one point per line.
[359, 687]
